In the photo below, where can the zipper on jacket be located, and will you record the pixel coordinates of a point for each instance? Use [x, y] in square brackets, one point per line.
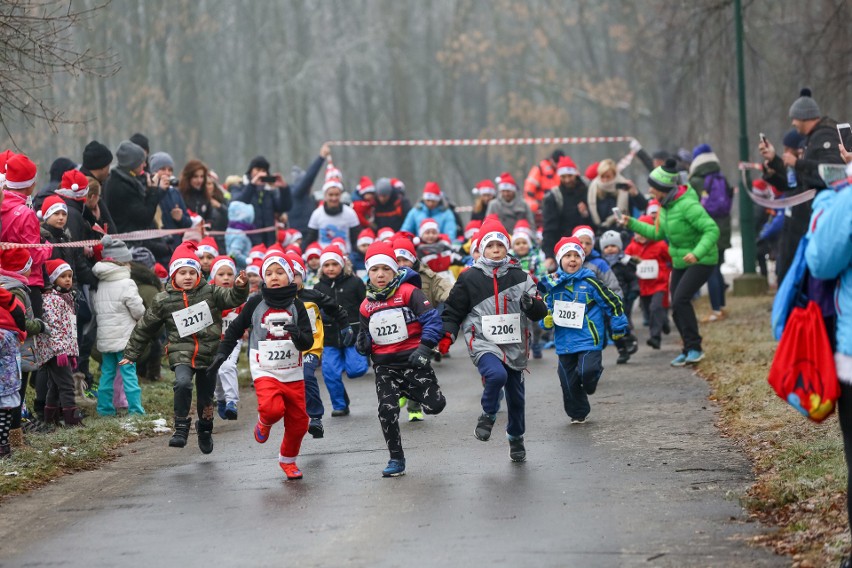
[194, 336]
[496, 293]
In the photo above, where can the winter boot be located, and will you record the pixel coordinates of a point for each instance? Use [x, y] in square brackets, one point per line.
[178, 439]
[5, 451]
[483, 426]
[16, 438]
[80, 391]
[517, 451]
[205, 435]
[51, 416]
[72, 416]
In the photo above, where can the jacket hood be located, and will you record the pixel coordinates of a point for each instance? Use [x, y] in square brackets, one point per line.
[560, 277]
[704, 164]
[439, 209]
[11, 199]
[144, 275]
[240, 212]
[673, 195]
[411, 276]
[109, 271]
[9, 280]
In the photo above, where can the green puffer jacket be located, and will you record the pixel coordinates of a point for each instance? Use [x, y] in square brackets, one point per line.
[687, 226]
[198, 349]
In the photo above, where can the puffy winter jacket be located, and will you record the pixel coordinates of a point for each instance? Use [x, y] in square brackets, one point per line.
[60, 317]
[510, 212]
[442, 214]
[19, 224]
[482, 291]
[435, 287]
[602, 271]
[687, 226]
[657, 251]
[198, 349]
[701, 167]
[584, 288]
[348, 291]
[322, 307]
[117, 306]
[130, 202]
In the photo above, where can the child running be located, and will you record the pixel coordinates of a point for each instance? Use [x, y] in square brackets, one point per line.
[399, 329]
[280, 331]
[653, 271]
[223, 272]
[576, 304]
[494, 304]
[191, 310]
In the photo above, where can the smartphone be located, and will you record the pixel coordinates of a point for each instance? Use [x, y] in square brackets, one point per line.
[845, 133]
[763, 138]
[617, 212]
[622, 186]
[269, 179]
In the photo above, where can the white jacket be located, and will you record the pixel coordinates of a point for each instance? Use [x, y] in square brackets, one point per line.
[117, 306]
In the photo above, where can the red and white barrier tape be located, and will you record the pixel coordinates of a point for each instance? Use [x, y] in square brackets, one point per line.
[750, 166]
[485, 141]
[128, 237]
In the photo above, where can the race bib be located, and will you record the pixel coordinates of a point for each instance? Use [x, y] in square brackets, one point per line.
[388, 326]
[569, 314]
[648, 270]
[312, 315]
[278, 355]
[502, 329]
[226, 321]
[193, 319]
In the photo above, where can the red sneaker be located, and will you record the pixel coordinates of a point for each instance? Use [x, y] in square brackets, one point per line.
[261, 432]
[291, 470]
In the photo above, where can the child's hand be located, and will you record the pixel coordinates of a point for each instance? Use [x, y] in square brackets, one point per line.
[124, 361]
[242, 279]
[548, 320]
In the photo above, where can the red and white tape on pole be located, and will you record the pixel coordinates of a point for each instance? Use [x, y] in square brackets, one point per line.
[485, 141]
[129, 237]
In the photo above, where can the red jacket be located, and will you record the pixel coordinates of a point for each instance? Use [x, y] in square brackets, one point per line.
[653, 250]
[20, 225]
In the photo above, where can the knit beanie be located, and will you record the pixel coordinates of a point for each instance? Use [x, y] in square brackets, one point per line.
[701, 149]
[381, 253]
[805, 107]
[794, 140]
[404, 248]
[16, 260]
[185, 255]
[74, 185]
[584, 231]
[129, 155]
[96, 156]
[55, 268]
[115, 249]
[50, 206]
[332, 252]
[20, 172]
[143, 256]
[258, 162]
[384, 188]
[565, 245]
[566, 167]
[142, 141]
[159, 161]
[493, 230]
[611, 238]
[664, 178]
[431, 191]
[208, 245]
[59, 167]
[222, 262]
[505, 182]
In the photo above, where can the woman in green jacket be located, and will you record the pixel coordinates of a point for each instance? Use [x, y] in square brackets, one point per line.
[692, 236]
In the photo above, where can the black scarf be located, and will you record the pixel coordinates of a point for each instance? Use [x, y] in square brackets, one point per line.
[382, 294]
[332, 211]
[279, 298]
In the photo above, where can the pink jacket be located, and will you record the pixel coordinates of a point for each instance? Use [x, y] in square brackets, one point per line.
[20, 225]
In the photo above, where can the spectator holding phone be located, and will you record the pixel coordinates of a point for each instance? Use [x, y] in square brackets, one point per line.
[609, 189]
[268, 193]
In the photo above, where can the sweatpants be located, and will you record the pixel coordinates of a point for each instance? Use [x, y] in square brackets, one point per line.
[579, 374]
[183, 392]
[60, 385]
[415, 384]
[129, 380]
[313, 401]
[684, 284]
[657, 315]
[277, 401]
[336, 360]
[498, 376]
[227, 384]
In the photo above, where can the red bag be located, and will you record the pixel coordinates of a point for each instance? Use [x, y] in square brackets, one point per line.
[803, 371]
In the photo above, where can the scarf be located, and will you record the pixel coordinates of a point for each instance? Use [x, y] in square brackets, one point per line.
[492, 264]
[279, 298]
[332, 211]
[382, 294]
[240, 226]
[600, 190]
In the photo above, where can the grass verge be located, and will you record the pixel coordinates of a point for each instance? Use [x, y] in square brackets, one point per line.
[800, 473]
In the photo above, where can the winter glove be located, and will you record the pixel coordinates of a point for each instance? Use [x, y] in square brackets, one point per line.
[347, 336]
[635, 146]
[420, 357]
[548, 320]
[444, 344]
[363, 344]
[293, 330]
[618, 334]
[213, 369]
[62, 360]
[526, 302]
[73, 362]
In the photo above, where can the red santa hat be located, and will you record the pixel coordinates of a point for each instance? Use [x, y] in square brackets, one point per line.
[20, 172]
[340, 243]
[653, 206]
[365, 186]
[331, 252]
[592, 171]
[53, 204]
[426, 224]
[485, 187]
[4, 157]
[584, 231]
[161, 272]
[185, 255]
[55, 268]
[385, 234]
[208, 246]
[16, 260]
[222, 262]
[313, 250]
[254, 267]
[404, 248]
[366, 237]
[294, 235]
[333, 178]
[294, 248]
[257, 252]
[566, 167]
[279, 258]
[381, 253]
[397, 185]
[74, 185]
[567, 244]
[505, 182]
[471, 229]
[522, 228]
[493, 230]
[431, 191]
[761, 188]
[297, 264]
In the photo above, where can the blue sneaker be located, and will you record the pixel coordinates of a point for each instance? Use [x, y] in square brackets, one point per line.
[220, 408]
[231, 411]
[679, 361]
[694, 356]
[536, 350]
[395, 468]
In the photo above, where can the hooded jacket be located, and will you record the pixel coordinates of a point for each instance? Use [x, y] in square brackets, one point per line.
[482, 291]
[117, 306]
[560, 221]
[701, 167]
[393, 213]
[19, 224]
[237, 243]
[347, 291]
[442, 214]
[510, 212]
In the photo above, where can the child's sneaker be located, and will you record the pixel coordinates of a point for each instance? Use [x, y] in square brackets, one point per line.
[231, 411]
[415, 416]
[483, 427]
[220, 408]
[395, 468]
[315, 428]
[714, 316]
[517, 451]
[261, 432]
[667, 328]
[291, 470]
[578, 421]
[623, 357]
[694, 356]
[679, 361]
[654, 342]
[536, 350]
[341, 412]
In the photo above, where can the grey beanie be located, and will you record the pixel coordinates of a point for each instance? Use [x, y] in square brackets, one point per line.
[384, 187]
[160, 160]
[129, 155]
[805, 107]
[115, 249]
[611, 238]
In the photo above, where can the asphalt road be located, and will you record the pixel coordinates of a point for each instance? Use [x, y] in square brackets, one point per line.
[648, 481]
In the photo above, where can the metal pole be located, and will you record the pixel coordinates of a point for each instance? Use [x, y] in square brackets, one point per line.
[746, 211]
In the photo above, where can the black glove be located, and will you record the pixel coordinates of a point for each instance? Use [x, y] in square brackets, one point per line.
[526, 302]
[347, 336]
[420, 357]
[293, 329]
[363, 344]
[213, 369]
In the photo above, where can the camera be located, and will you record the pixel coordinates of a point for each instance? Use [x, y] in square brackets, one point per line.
[622, 186]
[269, 179]
[173, 181]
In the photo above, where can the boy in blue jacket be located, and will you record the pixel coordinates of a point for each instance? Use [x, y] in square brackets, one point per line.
[576, 303]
